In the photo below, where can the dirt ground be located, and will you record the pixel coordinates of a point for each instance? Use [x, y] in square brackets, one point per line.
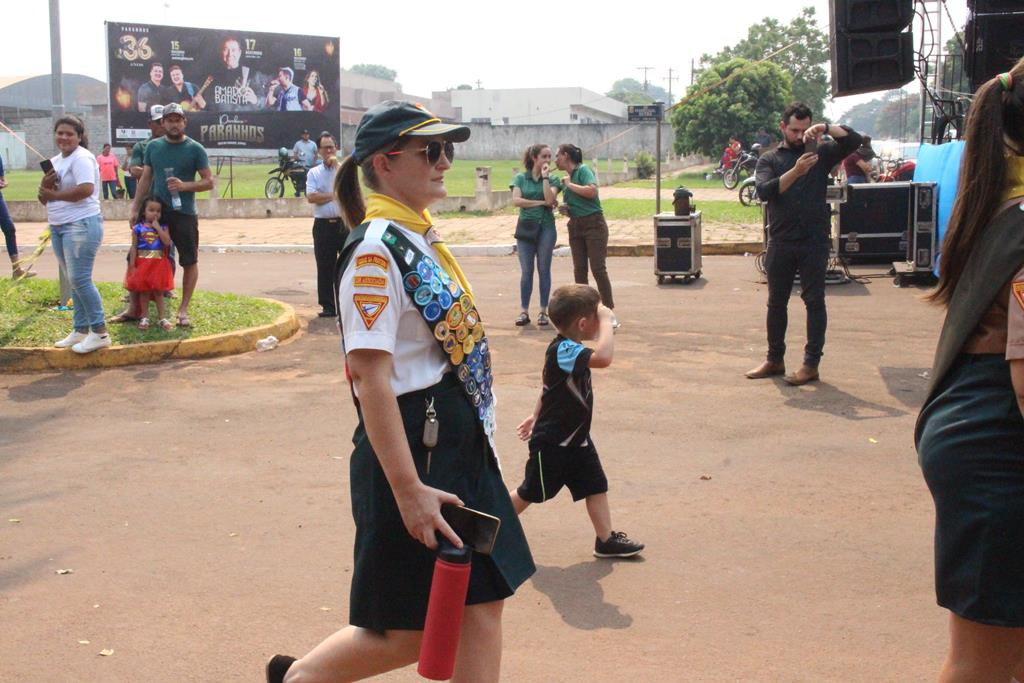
[203, 506]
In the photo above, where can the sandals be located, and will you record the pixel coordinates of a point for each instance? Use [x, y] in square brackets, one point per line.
[523, 319]
[183, 320]
[165, 325]
[144, 324]
[542, 319]
[122, 318]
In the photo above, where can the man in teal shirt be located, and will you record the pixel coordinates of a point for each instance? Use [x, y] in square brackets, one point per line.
[170, 166]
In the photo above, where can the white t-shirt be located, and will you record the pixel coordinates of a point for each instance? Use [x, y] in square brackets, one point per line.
[76, 169]
[377, 313]
[321, 179]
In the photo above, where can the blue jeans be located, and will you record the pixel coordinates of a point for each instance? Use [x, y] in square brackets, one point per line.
[541, 250]
[110, 185]
[7, 226]
[75, 245]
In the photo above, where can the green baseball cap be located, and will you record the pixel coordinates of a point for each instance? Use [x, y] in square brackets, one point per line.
[387, 121]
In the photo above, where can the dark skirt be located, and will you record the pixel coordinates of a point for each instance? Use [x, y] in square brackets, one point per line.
[392, 573]
[971, 448]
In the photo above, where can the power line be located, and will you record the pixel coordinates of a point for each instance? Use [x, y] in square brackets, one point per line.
[645, 69]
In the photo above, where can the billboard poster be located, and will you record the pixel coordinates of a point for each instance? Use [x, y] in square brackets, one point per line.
[239, 89]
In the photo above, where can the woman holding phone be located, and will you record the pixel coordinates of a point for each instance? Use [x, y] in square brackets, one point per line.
[536, 195]
[71, 192]
[420, 366]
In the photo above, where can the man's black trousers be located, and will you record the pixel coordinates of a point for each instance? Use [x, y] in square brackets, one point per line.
[782, 262]
[328, 238]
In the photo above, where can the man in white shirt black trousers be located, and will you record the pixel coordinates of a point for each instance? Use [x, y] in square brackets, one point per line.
[329, 231]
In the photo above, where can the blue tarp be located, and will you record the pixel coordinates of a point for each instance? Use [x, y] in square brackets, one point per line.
[941, 164]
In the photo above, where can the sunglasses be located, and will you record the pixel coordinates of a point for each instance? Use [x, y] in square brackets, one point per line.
[432, 150]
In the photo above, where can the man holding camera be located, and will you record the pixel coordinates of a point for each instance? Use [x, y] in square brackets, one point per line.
[792, 179]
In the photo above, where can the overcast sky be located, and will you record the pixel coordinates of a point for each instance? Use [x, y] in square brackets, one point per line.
[503, 45]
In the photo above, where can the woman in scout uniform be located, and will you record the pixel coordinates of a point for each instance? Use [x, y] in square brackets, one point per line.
[588, 231]
[970, 433]
[420, 368]
[536, 194]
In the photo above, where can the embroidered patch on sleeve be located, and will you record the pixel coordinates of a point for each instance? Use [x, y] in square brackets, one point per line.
[370, 306]
[370, 281]
[375, 260]
[1018, 293]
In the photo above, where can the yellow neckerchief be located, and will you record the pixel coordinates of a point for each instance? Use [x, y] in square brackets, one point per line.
[1014, 177]
[382, 206]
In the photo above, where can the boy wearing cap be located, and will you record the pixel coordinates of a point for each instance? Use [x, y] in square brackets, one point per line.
[170, 166]
[562, 452]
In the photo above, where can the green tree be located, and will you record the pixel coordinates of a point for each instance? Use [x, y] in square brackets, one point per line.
[375, 71]
[749, 97]
[899, 116]
[464, 86]
[804, 61]
[631, 91]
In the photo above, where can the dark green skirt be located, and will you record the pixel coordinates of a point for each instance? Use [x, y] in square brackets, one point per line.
[970, 443]
[392, 573]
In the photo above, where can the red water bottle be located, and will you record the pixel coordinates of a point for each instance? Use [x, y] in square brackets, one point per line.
[444, 612]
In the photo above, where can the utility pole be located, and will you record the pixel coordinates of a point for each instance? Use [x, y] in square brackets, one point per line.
[56, 75]
[478, 85]
[670, 79]
[645, 69]
[692, 70]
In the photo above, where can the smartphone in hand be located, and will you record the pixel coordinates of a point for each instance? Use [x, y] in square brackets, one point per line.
[476, 529]
[46, 165]
[811, 146]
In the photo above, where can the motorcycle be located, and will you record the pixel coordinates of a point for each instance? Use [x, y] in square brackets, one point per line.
[897, 170]
[287, 169]
[748, 193]
[743, 168]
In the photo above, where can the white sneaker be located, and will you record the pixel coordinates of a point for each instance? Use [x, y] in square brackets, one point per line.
[70, 340]
[91, 343]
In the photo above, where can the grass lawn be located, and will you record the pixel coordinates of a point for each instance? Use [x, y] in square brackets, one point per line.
[688, 179]
[26, 318]
[721, 211]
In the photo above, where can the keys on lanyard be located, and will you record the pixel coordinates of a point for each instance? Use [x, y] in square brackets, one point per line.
[430, 431]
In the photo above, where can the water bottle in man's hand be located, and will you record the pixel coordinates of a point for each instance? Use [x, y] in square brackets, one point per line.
[175, 197]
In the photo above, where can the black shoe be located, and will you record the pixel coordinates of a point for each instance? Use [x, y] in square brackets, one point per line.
[327, 314]
[523, 319]
[617, 545]
[277, 667]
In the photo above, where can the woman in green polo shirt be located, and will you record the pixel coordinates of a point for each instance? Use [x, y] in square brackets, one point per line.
[588, 231]
[536, 195]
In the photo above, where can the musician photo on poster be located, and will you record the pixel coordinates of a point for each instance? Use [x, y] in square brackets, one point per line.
[242, 89]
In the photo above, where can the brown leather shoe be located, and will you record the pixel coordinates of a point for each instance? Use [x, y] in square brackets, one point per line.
[766, 369]
[802, 376]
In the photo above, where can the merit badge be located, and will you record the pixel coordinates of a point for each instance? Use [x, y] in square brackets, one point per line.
[467, 345]
[453, 287]
[444, 276]
[422, 295]
[388, 238]
[479, 374]
[463, 373]
[477, 398]
[375, 260]
[457, 355]
[450, 344]
[467, 302]
[1018, 293]
[409, 256]
[440, 331]
[370, 306]
[455, 316]
[371, 281]
[432, 311]
[471, 386]
[412, 281]
[435, 286]
[445, 299]
[472, 318]
[478, 332]
[425, 272]
[461, 333]
[429, 262]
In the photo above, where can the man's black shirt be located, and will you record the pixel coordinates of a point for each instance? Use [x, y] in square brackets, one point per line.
[800, 213]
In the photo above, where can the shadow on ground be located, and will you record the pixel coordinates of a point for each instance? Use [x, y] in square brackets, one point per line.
[576, 594]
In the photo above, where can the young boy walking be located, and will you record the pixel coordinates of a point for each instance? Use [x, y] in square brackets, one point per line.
[561, 450]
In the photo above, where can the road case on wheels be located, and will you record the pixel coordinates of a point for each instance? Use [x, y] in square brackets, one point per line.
[677, 247]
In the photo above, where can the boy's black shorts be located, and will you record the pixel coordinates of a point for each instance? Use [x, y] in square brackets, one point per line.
[184, 230]
[552, 467]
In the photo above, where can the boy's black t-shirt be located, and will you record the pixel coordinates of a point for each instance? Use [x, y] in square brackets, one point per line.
[567, 401]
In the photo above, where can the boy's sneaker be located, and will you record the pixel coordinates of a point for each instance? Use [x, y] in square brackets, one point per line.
[617, 545]
[71, 339]
[92, 342]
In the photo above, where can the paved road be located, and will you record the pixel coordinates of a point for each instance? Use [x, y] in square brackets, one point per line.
[204, 506]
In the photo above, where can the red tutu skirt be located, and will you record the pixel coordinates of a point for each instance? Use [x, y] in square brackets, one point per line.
[151, 275]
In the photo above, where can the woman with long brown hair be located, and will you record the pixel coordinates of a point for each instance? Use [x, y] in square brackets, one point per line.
[970, 433]
[535, 192]
[416, 352]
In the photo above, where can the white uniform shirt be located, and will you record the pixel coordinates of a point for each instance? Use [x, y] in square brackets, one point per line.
[377, 313]
[75, 169]
[321, 179]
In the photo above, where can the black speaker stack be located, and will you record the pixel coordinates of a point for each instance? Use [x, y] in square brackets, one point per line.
[870, 48]
[995, 38]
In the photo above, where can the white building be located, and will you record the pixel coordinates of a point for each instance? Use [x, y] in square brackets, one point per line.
[535, 106]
